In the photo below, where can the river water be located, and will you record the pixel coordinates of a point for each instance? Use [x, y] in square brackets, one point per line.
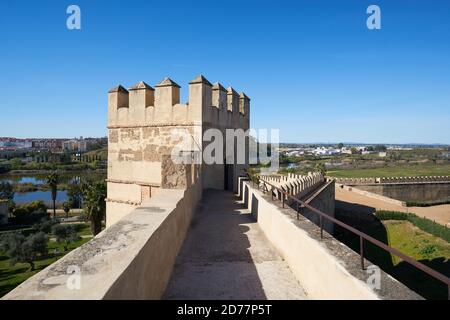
[46, 196]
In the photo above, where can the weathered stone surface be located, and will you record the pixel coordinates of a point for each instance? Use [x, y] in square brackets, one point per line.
[151, 132]
[113, 136]
[130, 155]
[174, 175]
[145, 125]
[129, 135]
[151, 153]
[132, 259]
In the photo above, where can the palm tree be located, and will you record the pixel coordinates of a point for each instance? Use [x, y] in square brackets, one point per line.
[52, 182]
[66, 207]
[94, 194]
[320, 167]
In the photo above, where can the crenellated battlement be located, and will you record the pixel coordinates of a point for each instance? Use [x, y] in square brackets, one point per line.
[393, 180]
[147, 124]
[210, 105]
[294, 184]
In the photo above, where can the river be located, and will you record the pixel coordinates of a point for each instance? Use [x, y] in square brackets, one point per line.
[39, 179]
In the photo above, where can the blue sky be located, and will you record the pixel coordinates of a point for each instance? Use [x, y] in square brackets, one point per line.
[312, 68]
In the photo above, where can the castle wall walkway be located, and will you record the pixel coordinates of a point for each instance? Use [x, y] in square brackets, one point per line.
[227, 256]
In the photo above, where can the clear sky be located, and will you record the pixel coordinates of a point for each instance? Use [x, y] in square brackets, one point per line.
[312, 68]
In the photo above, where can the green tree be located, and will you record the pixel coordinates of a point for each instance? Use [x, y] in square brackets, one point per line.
[95, 164]
[65, 234]
[94, 195]
[66, 207]
[380, 147]
[45, 225]
[7, 193]
[16, 163]
[6, 190]
[340, 145]
[34, 207]
[52, 180]
[75, 194]
[24, 249]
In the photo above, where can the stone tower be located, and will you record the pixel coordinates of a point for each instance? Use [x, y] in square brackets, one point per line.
[149, 129]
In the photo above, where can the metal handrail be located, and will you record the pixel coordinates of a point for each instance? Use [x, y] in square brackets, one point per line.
[362, 236]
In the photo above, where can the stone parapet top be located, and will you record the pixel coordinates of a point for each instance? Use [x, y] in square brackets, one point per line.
[109, 257]
[141, 183]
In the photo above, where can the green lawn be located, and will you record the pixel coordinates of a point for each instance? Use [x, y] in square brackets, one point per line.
[432, 251]
[61, 214]
[412, 241]
[394, 171]
[12, 276]
[409, 239]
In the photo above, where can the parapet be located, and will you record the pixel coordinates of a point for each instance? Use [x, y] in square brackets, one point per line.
[294, 184]
[393, 180]
[210, 105]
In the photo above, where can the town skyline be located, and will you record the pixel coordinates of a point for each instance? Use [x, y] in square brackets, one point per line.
[436, 144]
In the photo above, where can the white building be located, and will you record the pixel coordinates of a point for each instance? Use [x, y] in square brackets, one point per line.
[326, 151]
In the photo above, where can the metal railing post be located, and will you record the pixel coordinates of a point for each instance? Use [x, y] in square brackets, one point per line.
[361, 251]
[271, 192]
[362, 237]
[321, 226]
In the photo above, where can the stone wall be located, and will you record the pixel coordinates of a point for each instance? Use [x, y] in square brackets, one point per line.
[149, 128]
[323, 199]
[294, 184]
[392, 180]
[132, 259]
[411, 191]
[326, 268]
[312, 189]
[358, 190]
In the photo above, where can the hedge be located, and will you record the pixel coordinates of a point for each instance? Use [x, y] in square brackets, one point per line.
[424, 224]
[426, 203]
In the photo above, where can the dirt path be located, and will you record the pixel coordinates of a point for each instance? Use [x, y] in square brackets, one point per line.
[440, 214]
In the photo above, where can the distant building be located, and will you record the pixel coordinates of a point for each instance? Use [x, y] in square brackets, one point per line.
[382, 154]
[13, 144]
[48, 144]
[346, 150]
[75, 145]
[326, 151]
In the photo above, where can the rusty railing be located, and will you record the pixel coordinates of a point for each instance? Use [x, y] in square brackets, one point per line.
[362, 236]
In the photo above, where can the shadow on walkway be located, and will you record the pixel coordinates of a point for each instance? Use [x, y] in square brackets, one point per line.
[226, 256]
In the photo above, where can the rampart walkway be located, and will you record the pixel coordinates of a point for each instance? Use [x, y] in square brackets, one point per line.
[226, 256]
